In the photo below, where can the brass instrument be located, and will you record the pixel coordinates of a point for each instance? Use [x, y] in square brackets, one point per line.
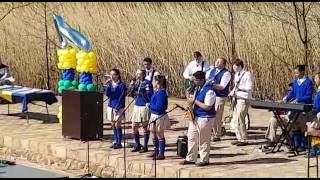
[189, 106]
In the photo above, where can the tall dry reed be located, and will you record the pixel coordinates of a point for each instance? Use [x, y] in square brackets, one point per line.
[124, 33]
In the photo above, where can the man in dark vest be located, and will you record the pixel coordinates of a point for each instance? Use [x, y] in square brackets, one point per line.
[220, 76]
[199, 131]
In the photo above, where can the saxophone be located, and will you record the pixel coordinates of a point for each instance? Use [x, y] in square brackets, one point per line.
[189, 106]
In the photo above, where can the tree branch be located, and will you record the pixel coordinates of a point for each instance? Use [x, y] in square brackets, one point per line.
[13, 8]
[270, 16]
[296, 11]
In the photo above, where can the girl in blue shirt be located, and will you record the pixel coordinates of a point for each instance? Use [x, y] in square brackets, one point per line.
[158, 107]
[116, 92]
[141, 90]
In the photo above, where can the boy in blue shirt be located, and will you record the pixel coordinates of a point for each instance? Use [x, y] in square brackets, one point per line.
[301, 93]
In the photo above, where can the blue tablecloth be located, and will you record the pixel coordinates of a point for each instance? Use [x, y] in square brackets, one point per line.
[24, 95]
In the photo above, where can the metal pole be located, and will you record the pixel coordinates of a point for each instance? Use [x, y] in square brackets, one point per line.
[47, 58]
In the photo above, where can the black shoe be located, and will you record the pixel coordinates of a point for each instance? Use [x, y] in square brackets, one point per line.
[117, 146]
[301, 149]
[242, 144]
[235, 142]
[151, 155]
[203, 164]
[143, 150]
[187, 162]
[216, 139]
[159, 157]
[112, 146]
[136, 149]
[270, 145]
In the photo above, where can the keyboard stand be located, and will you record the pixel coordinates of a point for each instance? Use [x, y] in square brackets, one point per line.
[285, 135]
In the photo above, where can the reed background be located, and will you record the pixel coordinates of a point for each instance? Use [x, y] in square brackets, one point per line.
[265, 34]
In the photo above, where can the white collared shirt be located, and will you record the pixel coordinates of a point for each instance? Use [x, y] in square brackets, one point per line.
[193, 67]
[300, 81]
[225, 79]
[246, 83]
[149, 73]
[114, 84]
[210, 98]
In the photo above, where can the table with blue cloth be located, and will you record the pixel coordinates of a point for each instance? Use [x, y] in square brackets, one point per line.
[18, 94]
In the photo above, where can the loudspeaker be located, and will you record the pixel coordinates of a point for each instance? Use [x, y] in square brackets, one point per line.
[182, 146]
[82, 114]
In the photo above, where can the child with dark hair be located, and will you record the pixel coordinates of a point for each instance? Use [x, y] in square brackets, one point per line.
[158, 107]
[116, 92]
[142, 90]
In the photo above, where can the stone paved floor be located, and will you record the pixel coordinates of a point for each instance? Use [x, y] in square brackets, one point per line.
[44, 144]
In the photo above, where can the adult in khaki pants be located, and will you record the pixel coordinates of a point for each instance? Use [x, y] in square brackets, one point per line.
[199, 131]
[220, 77]
[243, 85]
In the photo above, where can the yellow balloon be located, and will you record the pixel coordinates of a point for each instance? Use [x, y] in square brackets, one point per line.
[73, 51]
[80, 61]
[59, 65]
[82, 69]
[87, 63]
[64, 52]
[78, 69]
[60, 52]
[92, 55]
[91, 70]
[81, 54]
[61, 59]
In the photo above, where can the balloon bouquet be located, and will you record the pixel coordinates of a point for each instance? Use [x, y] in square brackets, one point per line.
[79, 58]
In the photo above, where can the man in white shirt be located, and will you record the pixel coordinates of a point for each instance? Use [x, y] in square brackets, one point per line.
[199, 131]
[196, 65]
[221, 81]
[150, 71]
[243, 87]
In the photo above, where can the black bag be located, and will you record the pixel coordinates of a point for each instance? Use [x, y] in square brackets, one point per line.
[182, 146]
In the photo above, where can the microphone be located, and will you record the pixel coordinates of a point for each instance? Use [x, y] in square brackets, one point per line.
[177, 105]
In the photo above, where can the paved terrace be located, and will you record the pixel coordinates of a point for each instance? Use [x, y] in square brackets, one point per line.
[43, 144]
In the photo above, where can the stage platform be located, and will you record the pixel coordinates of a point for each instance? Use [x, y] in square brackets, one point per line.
[43, 143]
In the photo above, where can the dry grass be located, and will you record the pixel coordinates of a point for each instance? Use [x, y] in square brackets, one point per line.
[124, 33]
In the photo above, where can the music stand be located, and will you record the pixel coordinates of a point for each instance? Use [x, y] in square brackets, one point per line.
[124, 131]
[154, 125]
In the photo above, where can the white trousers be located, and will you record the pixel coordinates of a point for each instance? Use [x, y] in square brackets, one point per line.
[217, 123]
[199, 134]
[240, 113]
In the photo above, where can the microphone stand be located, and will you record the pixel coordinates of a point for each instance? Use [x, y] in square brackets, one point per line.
[154, 125]
[124, 130]
[124, 133]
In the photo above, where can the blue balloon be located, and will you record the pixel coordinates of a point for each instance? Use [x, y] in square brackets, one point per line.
[68, 34]
[87, 82]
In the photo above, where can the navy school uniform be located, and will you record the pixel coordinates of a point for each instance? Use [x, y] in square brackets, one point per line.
[158, 107]
[143, 91]
[117, 98]
[302, 94]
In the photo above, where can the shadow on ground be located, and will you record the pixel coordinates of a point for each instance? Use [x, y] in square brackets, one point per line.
[45, 118]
